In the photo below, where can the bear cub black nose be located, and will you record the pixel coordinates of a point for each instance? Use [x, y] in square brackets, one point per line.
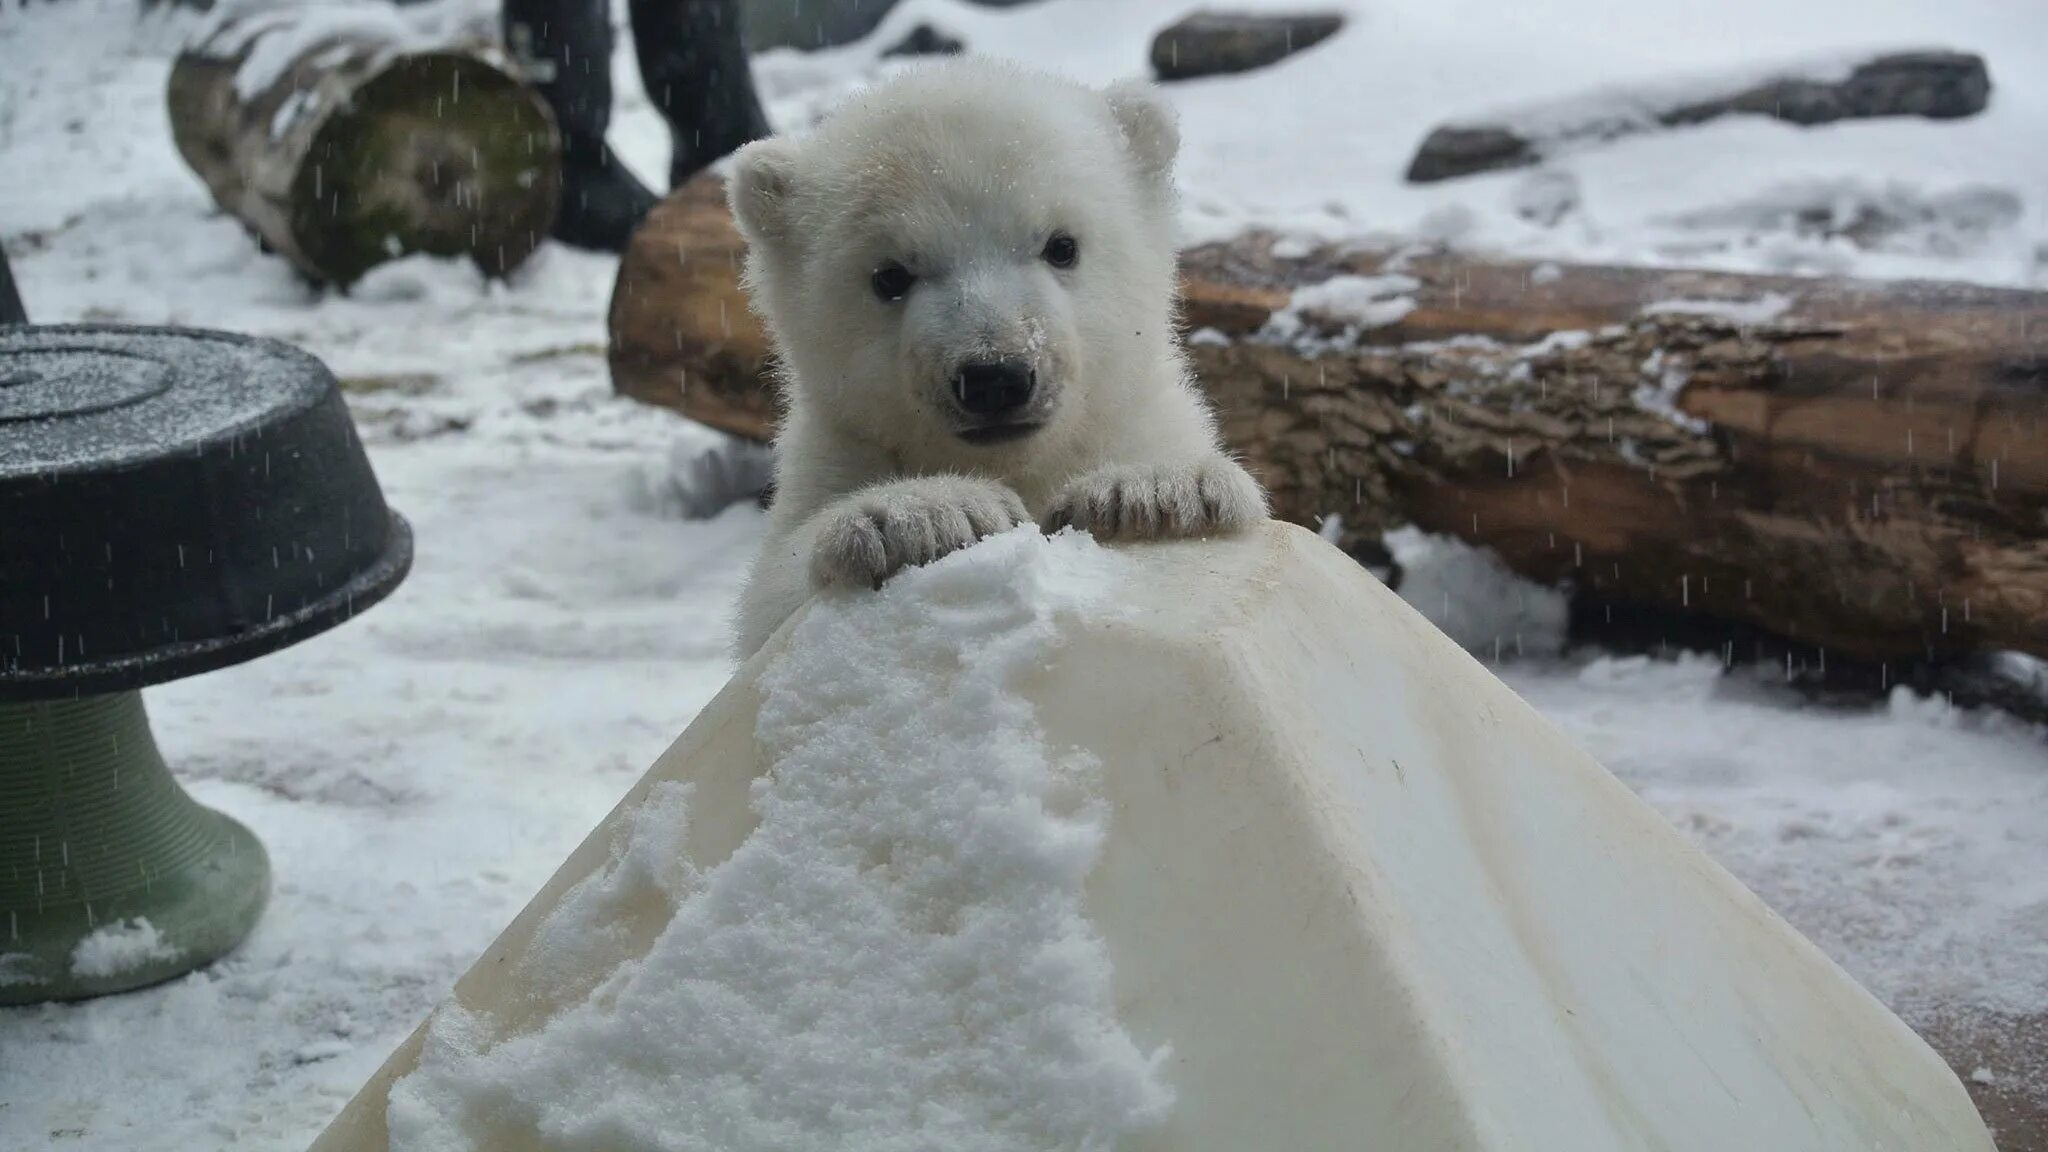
[992, 387]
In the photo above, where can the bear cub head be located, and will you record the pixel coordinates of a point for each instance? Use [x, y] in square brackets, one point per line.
[965, 257]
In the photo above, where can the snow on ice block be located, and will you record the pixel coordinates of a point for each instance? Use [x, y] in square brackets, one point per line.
[1177, 847]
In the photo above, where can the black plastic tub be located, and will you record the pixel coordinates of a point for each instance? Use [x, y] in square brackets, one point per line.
[174, 501]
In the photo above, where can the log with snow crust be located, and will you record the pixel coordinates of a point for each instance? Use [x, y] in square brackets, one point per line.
[342, 140]
[1859, 466]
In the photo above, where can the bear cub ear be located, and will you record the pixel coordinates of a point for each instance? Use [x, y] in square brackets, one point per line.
[1150, 129]
[758, 191]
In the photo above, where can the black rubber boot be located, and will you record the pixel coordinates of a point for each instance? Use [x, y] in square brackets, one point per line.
[563, 48]
[11, 311]
[696, 72]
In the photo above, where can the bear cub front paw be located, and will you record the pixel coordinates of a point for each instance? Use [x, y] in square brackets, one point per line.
[1156, 501]
[872, 534]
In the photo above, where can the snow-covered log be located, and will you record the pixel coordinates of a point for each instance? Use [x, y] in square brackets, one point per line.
[342, 140]
[1862, 467]
[1201, 848]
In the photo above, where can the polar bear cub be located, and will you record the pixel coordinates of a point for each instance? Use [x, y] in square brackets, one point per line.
[968, 273]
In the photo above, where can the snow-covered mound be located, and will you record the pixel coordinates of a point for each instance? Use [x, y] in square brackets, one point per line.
[895, 957]
[1218, 846]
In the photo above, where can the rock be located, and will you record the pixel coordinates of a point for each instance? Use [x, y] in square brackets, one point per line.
[1219, 43]
[925, 40]
[1452, 151]
[1938, 85]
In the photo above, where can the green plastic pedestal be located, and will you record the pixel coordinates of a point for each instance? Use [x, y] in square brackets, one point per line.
[111, 877]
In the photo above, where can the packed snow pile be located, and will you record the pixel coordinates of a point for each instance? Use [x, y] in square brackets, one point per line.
[896, 958]
[120, 947]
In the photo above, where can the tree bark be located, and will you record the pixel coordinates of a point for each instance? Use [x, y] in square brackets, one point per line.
[681, 333]
[341, 143]
[1858, 466]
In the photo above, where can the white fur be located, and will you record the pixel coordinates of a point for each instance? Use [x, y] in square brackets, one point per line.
[960, 171]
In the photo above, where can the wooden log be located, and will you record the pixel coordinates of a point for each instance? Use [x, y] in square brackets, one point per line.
[342, 142]
[681, 333]
[1859, 466]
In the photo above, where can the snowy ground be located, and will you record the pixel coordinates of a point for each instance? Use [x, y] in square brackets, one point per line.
[417, 774]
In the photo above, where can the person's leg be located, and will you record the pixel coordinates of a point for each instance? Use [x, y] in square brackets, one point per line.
[11, 311]
[563, 48]
[695, 68]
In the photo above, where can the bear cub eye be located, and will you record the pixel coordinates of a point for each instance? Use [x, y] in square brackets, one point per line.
[892, 281]
[1062, 250]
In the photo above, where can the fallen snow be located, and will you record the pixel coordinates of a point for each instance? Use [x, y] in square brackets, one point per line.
[1357, 304]
[117, 948]
[897, 957]
[269, 36]
[1761, 310]
[1664, 377]
[419, 773]
[1367, 301]
[1475, 599]
[699, 480]
[17, 968]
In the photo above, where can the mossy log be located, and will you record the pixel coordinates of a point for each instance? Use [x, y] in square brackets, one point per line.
[1862, 467]
[341, 142]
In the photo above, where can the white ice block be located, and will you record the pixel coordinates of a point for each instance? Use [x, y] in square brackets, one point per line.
[1368, 897]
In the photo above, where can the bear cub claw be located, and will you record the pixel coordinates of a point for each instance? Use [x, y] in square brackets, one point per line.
[870, 535]
[1158, 501]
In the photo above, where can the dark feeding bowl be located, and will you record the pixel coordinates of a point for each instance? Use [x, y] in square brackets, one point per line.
[170, 502]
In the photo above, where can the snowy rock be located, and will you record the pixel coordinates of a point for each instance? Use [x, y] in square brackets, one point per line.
[1937, 85]
[1305, 875]
[1454, 150]
[1219, 43]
